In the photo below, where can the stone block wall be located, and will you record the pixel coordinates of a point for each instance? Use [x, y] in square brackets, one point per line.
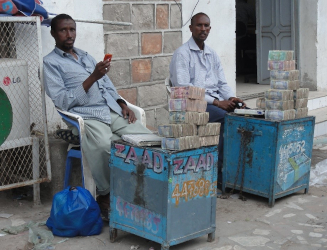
[142, 52]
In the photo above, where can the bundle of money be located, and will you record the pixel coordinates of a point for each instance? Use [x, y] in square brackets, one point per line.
[301, 112]
[187, 105]
[292, 75]
[281, 65]
[261, 103]
[278, 115]
[190, 92]
[181, 143]
[177, 130]
[279, 95]
[188, 118]
[300, 103]
[209, 140]
[301, 93]
[287, 85]
[281, 55]
[209, 129]
[279, 105]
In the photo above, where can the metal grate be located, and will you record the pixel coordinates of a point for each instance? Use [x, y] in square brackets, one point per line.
[24, 148]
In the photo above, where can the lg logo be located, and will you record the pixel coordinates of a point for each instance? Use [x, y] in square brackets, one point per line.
[7, 81]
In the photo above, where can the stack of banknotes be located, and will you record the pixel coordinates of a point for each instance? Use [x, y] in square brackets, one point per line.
[285, 100]
[188, 126]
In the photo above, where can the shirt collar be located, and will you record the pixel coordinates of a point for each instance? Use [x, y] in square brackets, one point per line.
[194, 46]
[64, 54]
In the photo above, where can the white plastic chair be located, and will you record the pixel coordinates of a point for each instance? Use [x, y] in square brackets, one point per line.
[78, 122]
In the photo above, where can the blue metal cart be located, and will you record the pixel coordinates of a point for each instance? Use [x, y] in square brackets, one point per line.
[267, 158]
[164, 196]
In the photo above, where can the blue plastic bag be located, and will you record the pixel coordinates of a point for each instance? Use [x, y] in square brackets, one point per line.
[74, 212]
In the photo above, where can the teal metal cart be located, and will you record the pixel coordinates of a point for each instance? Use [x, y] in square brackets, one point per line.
[164, 196]
[267, 158]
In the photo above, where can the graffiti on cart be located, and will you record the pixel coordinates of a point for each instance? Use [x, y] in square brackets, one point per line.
[191, 189]
[138, 215]
[293, 165]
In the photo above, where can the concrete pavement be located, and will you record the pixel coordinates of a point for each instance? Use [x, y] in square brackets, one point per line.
[297, 221]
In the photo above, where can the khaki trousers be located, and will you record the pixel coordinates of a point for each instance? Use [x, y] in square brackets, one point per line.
[96, 144]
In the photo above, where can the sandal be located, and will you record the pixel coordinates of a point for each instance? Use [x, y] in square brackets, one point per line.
[68, 136]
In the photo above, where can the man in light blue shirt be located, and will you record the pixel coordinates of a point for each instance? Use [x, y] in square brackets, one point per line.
[77, 83]
[196, 64]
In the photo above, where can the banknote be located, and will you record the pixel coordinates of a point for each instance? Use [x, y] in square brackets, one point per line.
[261, 103]
[284, 75]
[289, 85]
[188, 118]
[281, 55]
[279, 105]
[190, 92]
[209, 129]
[278, 115]
[182, 143]
[300, 103]
[279, 95]
[177, 130]
[187, 105]
[301, 112]
[209, 140]
[301, 93]
[281, 65]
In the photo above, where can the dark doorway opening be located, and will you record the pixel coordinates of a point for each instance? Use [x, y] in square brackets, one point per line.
[246, 49]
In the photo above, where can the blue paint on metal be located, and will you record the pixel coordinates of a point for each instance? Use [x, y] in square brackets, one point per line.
[267, 158]
[167, 197]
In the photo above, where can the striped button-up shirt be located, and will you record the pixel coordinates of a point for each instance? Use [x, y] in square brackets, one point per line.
[201, 68]
[63, 78]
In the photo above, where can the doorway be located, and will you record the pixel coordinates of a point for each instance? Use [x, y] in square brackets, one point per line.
[246, 48]
[262, 26]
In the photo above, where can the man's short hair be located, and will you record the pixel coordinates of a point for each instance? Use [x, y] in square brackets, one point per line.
[55, 20]
[198, 14]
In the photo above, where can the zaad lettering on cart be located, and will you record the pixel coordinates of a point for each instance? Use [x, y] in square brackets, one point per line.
[191, 189]
[204, 162]
[151, 160]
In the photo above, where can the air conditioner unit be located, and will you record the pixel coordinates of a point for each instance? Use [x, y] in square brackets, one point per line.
[14, 82]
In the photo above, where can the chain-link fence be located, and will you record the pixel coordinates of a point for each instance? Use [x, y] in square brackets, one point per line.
[24, 149]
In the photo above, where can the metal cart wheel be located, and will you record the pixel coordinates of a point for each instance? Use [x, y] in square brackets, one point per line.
[113, 234]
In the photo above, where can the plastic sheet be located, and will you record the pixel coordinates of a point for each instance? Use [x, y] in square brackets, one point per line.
[318, 175]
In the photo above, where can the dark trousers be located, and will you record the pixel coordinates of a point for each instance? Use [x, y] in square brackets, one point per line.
[217, 115]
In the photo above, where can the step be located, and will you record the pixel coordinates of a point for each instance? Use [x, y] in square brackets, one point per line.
[317, 100]
[321, 121]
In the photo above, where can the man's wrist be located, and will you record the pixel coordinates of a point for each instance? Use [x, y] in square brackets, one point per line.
[121, 101]
[216, 102]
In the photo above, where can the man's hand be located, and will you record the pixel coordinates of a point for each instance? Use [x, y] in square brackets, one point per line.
[225, 105]
[127, 113]
[237, 100]
[101, 69]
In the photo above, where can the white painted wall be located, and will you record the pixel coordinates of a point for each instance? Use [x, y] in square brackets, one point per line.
[222, 34]
[322, 46]
[89, 37]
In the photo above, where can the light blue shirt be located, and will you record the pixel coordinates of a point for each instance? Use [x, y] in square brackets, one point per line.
[63, 78]
[191, 66]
